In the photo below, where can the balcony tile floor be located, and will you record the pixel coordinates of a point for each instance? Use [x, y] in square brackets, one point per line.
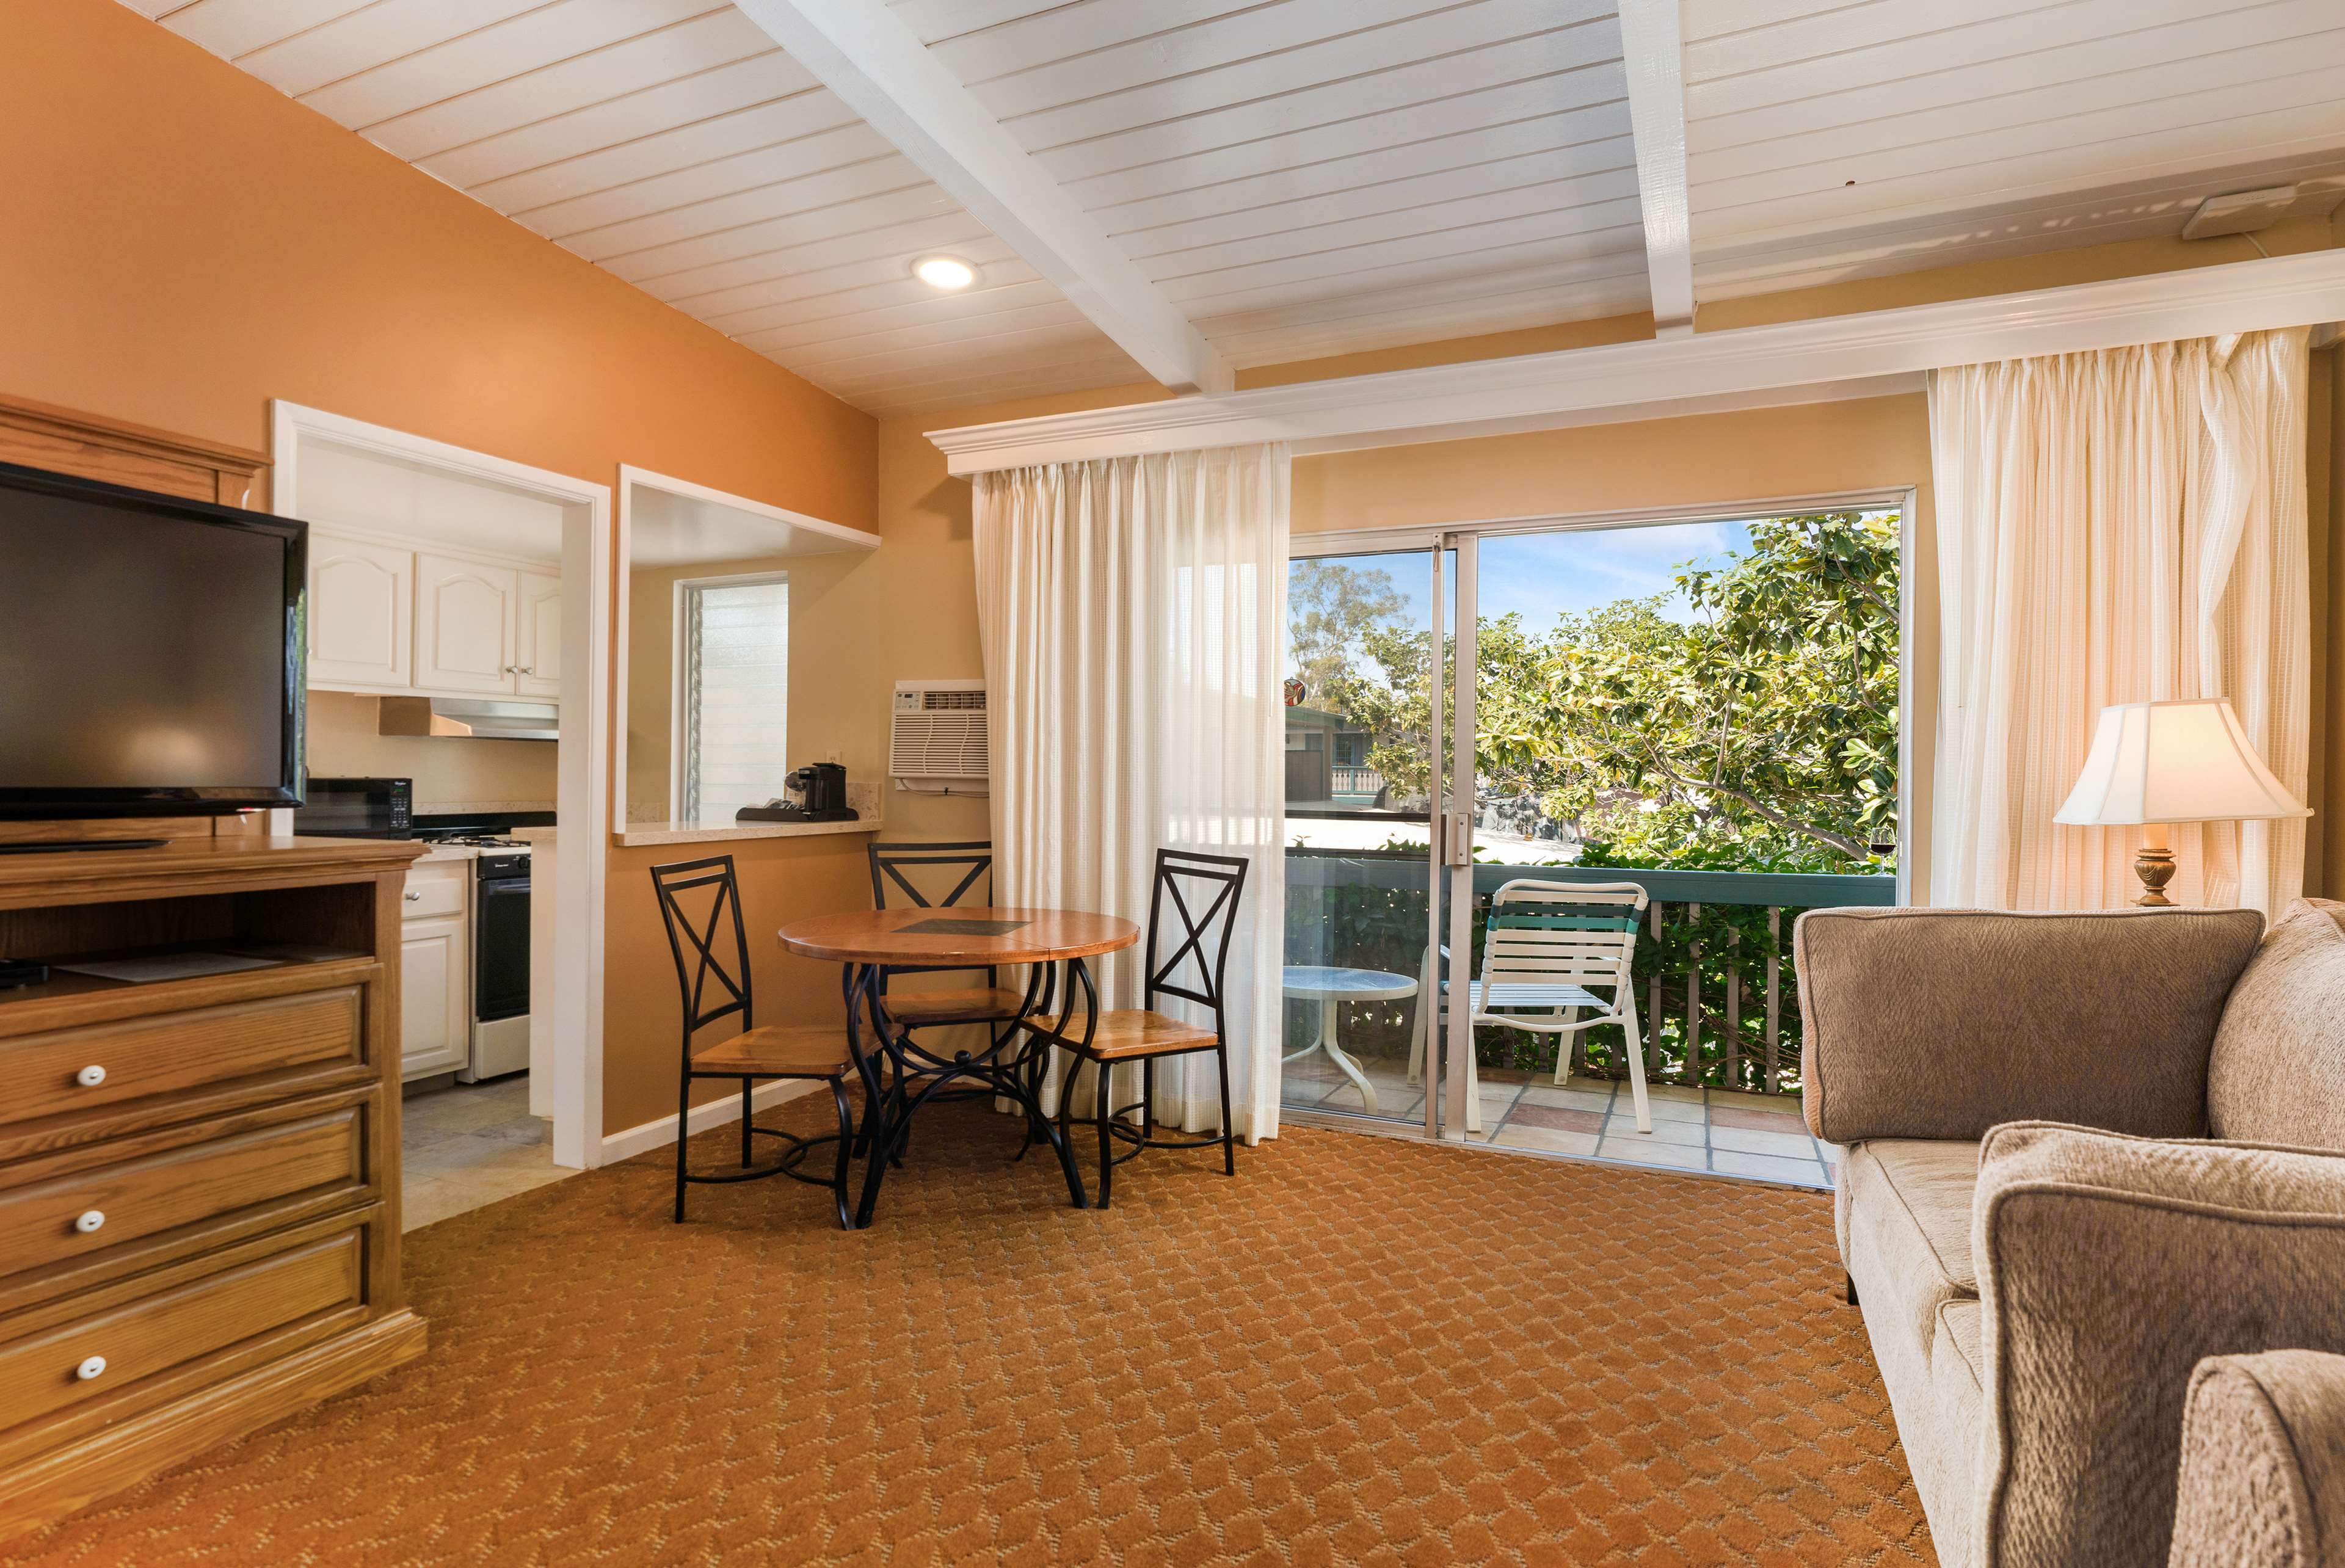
[1760, 1137]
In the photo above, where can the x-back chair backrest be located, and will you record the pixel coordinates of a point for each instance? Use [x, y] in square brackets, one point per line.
[931, 876]
[711, 988]
[1200, 892]
[1562, 932]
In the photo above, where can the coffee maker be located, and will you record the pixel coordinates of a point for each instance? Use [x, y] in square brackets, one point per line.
[820, 790]
[815, 792]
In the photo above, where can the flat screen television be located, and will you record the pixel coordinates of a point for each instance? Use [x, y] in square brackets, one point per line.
[151, 652]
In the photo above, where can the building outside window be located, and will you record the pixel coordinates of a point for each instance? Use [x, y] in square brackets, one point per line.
[733, 694]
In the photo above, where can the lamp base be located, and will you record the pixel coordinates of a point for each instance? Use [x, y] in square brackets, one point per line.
[2154, 864]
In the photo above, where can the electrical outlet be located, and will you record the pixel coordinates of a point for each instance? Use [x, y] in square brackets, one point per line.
[833, 755]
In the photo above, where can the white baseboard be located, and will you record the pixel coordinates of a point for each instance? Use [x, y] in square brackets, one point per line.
[634, 1140]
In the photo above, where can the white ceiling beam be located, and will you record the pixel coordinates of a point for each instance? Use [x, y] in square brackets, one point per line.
[1654, 54]
[1816, 360]
[862, 52]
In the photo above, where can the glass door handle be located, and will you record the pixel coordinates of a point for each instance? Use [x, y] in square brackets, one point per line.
[1456, 838]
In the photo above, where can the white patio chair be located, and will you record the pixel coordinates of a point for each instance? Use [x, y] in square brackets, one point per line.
[1545, 943]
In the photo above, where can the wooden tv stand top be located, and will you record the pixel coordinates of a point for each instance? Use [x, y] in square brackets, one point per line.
[229, 863]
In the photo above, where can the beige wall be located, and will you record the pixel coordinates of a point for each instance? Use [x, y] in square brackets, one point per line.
[343, 742]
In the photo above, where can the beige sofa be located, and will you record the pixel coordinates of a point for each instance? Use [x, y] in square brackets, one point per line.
[2087, 1152]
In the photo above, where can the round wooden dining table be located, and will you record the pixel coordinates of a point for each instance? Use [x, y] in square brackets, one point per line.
[1053, 944]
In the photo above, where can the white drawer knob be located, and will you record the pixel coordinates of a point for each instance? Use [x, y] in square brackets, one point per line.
[412, 897]
[93, 1368]
[90, 1076]
[90, 1219]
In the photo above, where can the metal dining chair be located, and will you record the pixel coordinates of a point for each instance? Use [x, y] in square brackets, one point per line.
[716, 985]
[1545, 943]
[1207, 916]
[938, 876]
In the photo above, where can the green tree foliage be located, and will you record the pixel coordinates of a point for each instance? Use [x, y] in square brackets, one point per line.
[1765, 728]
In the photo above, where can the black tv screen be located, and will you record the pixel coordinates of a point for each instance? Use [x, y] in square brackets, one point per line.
[150, 652]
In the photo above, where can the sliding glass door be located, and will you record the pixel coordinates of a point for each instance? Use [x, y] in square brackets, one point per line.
[1708, 711]
[1365, 694]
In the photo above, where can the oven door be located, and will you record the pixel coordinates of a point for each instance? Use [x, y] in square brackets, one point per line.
[501, 949]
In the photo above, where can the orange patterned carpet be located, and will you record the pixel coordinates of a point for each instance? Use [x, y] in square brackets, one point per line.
[1360, 1352]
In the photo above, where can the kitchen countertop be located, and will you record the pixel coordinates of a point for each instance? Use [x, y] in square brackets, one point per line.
[644, 833]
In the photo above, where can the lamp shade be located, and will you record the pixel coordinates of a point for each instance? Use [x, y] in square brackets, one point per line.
[2174, 762]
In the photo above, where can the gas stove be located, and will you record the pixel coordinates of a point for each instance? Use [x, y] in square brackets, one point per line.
[474, 841]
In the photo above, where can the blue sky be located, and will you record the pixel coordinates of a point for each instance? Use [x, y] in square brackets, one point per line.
[1542, 575]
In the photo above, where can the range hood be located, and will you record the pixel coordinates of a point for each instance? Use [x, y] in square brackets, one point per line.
[481, 718]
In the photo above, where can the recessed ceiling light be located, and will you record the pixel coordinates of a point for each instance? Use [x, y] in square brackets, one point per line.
[946, 272]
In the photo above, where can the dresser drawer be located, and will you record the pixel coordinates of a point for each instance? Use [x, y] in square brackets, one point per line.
[109, 1063]
[64, 1367]
[435, 889]
[90, 1210]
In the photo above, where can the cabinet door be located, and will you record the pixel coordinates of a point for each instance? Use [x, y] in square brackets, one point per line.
[362, 599]
[465, 616]
[434, 1011]
[538, 648]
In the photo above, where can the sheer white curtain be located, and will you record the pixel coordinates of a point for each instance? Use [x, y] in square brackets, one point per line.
[1131, 611]
[2125, 525]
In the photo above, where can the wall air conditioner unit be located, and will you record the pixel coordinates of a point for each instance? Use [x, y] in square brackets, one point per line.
[935, 738]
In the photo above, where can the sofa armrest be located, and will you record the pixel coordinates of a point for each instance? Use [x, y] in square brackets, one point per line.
[2263, 1464]
[2108, 1267]
[1940, 1023]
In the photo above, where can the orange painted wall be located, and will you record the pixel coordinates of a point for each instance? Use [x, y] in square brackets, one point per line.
[183, 243]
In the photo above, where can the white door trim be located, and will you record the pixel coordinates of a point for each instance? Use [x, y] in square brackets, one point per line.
[575, 988]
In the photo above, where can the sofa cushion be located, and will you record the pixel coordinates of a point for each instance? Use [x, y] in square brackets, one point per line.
[1957, 1424]
[2277, 1071]
[1908, 1203]
[2263, 1464]
[1904, 1213]
[1942, 1023]
[2107, 1266]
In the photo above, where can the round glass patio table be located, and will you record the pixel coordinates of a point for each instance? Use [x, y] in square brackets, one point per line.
[866, 943]
[1330, 984]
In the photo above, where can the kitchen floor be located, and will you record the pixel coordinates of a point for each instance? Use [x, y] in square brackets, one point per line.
[469, 1145]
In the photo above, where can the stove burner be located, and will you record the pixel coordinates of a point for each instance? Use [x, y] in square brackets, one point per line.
[474, 840]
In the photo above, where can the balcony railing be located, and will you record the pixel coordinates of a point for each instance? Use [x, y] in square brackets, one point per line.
[1717, 996]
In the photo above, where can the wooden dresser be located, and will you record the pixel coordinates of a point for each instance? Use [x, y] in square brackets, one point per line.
[198, 1177]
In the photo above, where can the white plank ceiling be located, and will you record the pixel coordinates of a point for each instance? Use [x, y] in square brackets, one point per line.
[1828, 141]
[1303, 177]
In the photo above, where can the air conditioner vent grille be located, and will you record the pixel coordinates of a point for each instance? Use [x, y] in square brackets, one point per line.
[937, 734]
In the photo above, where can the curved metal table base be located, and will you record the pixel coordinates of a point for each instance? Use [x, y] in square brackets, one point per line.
[1006, 1067]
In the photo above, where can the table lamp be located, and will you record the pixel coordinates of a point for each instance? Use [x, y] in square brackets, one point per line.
[2153, 763]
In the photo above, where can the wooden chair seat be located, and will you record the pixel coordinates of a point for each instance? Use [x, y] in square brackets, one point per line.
[984, 1004]
[1131, 1033]
[780, 1051]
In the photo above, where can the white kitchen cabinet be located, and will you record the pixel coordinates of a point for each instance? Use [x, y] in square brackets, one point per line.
[361, 613]
[537, 642]
[467, 614]
[434, 1022]
[435, 989]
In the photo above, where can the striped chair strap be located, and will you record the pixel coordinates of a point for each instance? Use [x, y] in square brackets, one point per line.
[1509, 921]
